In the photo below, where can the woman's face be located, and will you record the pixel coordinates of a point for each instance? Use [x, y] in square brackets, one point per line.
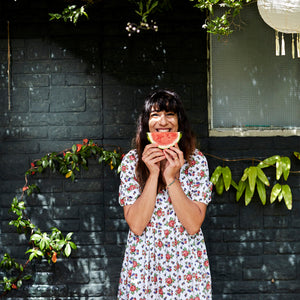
[162, 121]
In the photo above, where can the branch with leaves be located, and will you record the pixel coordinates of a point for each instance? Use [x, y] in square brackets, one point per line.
[51, 245]
[146, 10]
[254, 179]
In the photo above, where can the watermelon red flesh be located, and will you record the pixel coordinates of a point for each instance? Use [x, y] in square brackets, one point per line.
[164, 139]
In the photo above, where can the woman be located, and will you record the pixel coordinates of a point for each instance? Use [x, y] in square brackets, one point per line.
[164, 194]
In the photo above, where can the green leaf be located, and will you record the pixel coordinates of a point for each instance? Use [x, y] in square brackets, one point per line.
[69, 235]
[226, 177]
[67, 250]
[287, 196]
[220, 186]
[297, 154]
[241, 187]
[248, 194]
[268, 161]
[263, 178]
[286, 166]
[261, 189]
[279, 168]
[245, 175]
[74, 148]
[252, 174]
[275, 192]
[45, 163]
[216, 174]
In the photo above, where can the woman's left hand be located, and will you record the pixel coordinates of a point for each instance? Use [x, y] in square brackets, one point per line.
[175, 161]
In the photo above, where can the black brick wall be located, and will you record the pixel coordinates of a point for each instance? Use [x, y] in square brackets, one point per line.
[89, 81]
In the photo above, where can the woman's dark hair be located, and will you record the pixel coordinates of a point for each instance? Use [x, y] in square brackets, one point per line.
[162, 100]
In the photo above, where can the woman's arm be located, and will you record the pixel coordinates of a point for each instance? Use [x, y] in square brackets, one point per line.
[138, 214]
[190, 213]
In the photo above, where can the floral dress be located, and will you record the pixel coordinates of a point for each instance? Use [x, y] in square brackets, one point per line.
[165, 262]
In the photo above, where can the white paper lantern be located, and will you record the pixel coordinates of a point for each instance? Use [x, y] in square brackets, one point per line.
[284, 17]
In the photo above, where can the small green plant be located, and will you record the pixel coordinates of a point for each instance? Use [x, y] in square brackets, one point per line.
[70, 13]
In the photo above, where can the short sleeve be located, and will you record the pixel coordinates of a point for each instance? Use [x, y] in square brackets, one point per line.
[129, 189]
[200, 186]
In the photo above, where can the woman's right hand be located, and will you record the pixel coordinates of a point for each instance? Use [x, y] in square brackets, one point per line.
[152, 156]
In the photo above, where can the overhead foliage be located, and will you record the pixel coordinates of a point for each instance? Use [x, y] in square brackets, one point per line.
[222, 23]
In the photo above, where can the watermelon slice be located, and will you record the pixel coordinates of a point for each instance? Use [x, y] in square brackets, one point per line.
[164, 139]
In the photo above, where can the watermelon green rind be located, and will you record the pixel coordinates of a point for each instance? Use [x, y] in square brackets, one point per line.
[171, 143]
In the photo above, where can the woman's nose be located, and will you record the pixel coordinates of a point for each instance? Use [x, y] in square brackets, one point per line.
[163, 120]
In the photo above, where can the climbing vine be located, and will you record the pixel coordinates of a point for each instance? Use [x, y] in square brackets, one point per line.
[51, 245]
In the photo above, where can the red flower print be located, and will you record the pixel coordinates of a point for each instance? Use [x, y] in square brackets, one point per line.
[159, 212]
[134, 264]
[167, 232]
[159, 244]
[185, 253]
[159, 268]
[155, 278]
[132, 249]
[129, 272]
[122, 201]
[206, 263]
[208, 286]
[199, 253]
[160, 291]
[197, 298]
[132, 288]
[124, 168]
[181, 229]
[189, 277]
[179, 290]
[193, 162]
[202, 174]
[169, 280]
[168, 256]
[131, 157]
[172, 223]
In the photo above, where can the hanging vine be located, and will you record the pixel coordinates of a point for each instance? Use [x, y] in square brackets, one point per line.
[254, 179]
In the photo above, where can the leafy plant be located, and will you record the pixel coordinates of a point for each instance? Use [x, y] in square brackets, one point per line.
[230, 10]
[222, 178]
[49, 246]
[254, 179]
[253, 176]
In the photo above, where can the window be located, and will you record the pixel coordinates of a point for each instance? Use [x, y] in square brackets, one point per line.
[253, 91]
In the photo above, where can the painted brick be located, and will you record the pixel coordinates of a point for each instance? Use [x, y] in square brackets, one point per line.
[67, 99]
[65, 90]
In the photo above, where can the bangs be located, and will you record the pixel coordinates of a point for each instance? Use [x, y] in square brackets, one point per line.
[162, 101]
